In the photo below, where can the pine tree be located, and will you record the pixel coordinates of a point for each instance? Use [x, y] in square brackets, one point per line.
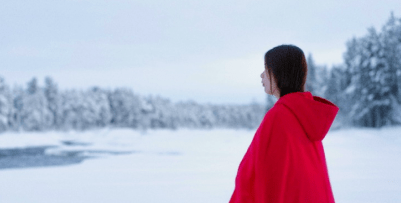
[53, 103]
[98, 104]
[391, 40]
[17, 103]
[34, 108]
[163, 113]
[311, 81]
[333, 90]
[5, 106]
[74, 111]
[125, 108]
[322, 76]
[366, 60]
[352, 59]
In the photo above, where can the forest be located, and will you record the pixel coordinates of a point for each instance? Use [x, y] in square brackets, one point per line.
[366, 88]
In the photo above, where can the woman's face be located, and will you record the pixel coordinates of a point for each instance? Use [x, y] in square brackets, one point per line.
[266, 83]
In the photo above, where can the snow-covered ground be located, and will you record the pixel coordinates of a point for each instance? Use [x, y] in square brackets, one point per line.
[188, 166]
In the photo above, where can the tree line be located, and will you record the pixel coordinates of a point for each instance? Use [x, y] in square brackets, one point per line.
[35, 108]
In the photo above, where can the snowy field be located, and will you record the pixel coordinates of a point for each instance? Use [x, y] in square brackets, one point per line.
[183, 166]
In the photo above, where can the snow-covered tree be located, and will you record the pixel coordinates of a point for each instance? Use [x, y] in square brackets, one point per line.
[17, 104]
[391, 40]
[34, 108]
[5, 105]
[147, 112]
[76, 114]
[98, 103]
[333, 91]
[53, 103]
[163, 114]
[125, 108]
[311, 81]
[370, 81]
[188, 114]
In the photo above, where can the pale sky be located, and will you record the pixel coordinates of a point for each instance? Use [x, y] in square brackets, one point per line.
[204, 50]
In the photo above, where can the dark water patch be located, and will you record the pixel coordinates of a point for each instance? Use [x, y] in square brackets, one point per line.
[29, 151]
[74, 143]
[37, 157]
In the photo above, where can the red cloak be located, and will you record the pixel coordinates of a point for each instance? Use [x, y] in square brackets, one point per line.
[285, 161]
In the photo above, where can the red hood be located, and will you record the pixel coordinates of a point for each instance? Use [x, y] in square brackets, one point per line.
[314, 113]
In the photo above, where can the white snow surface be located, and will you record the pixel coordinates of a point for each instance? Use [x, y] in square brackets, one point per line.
[190, 166]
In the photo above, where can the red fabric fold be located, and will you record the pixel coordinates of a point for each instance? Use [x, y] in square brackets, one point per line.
[285, 161]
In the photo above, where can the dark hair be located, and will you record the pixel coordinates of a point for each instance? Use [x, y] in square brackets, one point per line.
[288, 64]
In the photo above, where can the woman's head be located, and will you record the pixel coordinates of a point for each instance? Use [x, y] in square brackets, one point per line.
[285, 70]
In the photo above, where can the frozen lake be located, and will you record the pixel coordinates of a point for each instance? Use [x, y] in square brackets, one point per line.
[124, 165]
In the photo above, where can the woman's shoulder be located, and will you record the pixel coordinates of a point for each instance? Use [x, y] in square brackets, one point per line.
[273, 124]
[279, 120]
[277, 112]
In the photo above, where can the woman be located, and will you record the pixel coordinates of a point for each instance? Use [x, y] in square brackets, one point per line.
[285, 161]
